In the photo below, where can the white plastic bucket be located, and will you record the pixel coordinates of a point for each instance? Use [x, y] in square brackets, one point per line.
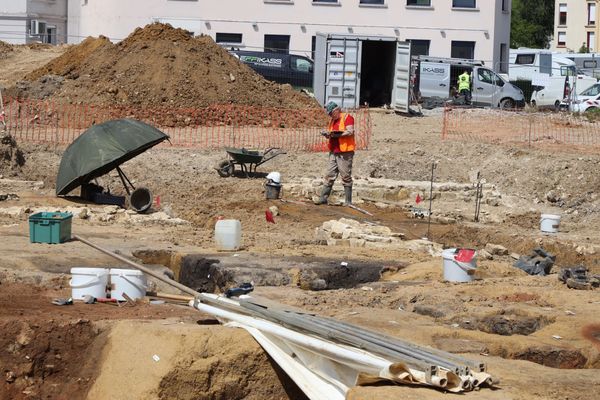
[456, 271]
[129, 281]
[228, 234]
[549, 223]
[88, 281]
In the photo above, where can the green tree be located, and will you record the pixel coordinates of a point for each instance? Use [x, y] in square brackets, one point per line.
[532, 23]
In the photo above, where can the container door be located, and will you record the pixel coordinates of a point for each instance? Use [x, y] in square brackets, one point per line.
[320, 68]
[343, 69]
[401, 90]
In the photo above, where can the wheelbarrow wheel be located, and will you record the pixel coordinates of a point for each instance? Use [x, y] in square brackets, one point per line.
[225, 168]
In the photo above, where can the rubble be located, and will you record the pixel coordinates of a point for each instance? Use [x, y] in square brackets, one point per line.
[351, 233]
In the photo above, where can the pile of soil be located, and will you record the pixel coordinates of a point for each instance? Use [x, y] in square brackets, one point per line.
[5, 49]
[11, 157]
[158, 66]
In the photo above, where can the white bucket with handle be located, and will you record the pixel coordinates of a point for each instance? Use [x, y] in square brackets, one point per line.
[549, 223]
[88, 281]
[458, 271]
[129, 281]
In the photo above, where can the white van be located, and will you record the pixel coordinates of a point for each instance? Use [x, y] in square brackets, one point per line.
[552, 75]
[438, 76]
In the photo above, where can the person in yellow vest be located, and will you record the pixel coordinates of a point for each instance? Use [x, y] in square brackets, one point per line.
[464, 86]
[341, 145]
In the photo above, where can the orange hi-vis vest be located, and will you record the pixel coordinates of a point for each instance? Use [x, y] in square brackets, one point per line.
[347, 143]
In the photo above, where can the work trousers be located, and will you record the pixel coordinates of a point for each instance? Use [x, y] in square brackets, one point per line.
[340, 164]
[467, 94]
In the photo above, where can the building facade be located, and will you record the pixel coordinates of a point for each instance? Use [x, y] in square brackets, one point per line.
[30, 21]
[575, 26]
[476, 29]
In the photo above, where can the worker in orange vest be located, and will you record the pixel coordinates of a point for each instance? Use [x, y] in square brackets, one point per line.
[341, 152]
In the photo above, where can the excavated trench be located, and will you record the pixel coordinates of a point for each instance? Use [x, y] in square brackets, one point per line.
[215, 273]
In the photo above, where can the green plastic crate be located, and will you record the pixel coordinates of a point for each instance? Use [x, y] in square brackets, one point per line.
[50, 227]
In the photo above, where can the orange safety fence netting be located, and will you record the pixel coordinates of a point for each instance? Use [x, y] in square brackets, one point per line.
[212, 127]
[557, 130]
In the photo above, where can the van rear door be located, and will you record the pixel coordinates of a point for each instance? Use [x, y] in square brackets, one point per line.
[434, 79]
[401, 90]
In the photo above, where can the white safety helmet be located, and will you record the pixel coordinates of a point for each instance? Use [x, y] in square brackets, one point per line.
[274, 177]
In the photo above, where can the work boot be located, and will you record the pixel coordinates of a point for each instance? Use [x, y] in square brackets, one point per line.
[324, 195]
[348, 195]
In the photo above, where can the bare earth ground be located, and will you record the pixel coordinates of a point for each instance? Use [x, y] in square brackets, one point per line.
[529, 330]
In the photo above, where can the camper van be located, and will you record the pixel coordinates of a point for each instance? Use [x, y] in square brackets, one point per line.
[437, 77]
[587, 63]
[552, 77]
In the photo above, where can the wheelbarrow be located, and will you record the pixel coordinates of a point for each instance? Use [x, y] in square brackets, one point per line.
[248, 160]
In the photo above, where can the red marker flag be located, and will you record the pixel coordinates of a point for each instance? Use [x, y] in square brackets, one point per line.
[269, 216]
[418, 199]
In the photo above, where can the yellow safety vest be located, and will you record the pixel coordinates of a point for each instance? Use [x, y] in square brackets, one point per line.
[464, 82]
[347, 143]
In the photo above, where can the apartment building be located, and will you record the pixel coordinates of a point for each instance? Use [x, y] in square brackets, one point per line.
[575, 25]
[475, 29]
[30, 21]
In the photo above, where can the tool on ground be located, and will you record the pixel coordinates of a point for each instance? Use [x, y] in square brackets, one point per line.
[433, 167]
[352, 206]
[478, 196]
[248, 160]
[63, 302]
[244, 288]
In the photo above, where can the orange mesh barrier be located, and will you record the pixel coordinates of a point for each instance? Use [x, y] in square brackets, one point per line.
[521, 127]
[212, 127]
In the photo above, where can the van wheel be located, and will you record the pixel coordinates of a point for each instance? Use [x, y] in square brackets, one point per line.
[533, 103]
[590, 109]
[507, 104]
[556, 105]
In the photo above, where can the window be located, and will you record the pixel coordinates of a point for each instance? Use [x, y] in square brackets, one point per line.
[593, 90]
[324, 1]
[419, 3]
[419, 47]
[505, 6]
[590, 64]
[485, 76]
[562, 14]
[503, 58]
[568, 71]
[379, 2]
[591, 41]
[300, 64]
[525, 59]
[313, 46]
[562, 39]
[228, 37]
[277, 43]
[591, 13]
[461, 49]
[464, 3]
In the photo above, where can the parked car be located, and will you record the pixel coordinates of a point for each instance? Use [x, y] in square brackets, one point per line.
[279, 67]
[587, 100]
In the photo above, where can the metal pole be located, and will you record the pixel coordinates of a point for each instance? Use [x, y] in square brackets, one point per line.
[433, 166]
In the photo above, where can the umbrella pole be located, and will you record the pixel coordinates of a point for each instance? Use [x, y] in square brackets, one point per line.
[123, 179]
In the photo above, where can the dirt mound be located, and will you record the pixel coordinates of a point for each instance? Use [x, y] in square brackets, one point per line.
[11, 157]
[70, 60]
[159, 65]
[5, 49]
